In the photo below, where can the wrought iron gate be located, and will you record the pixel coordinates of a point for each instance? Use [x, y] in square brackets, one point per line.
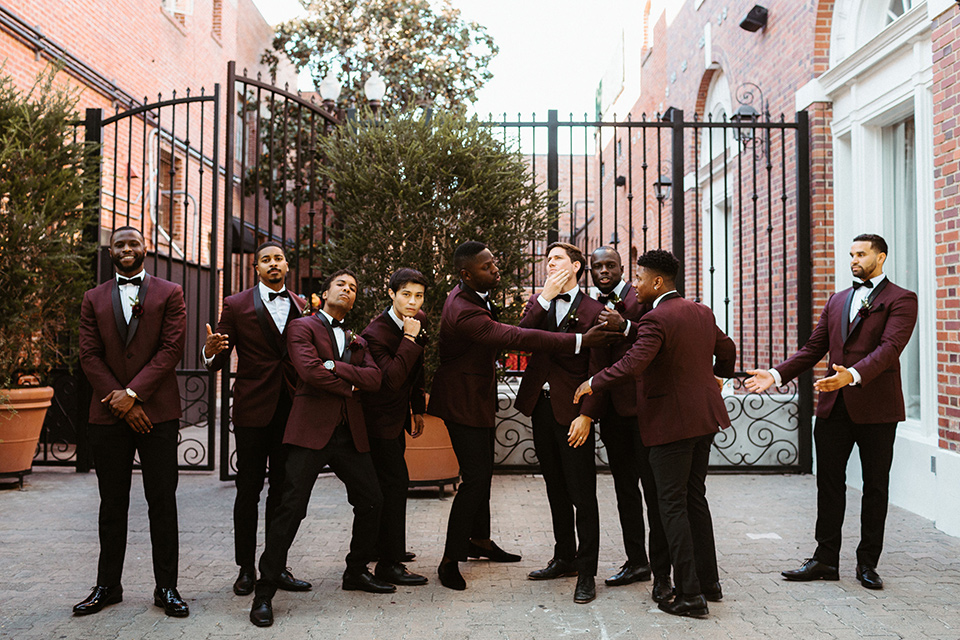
[271, 163]
[159, 173]
[731, 199]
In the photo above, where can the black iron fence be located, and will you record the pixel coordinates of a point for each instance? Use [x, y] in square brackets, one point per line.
[731, 200]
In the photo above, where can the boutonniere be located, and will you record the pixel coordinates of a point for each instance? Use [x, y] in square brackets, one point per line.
[494, 307]
[354, 342]
[136, 309]
[865, 307]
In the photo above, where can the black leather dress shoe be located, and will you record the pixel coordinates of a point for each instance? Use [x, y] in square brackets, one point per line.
[868, 577]
[287, 582]
[694, 606]
[712, 592]
[261, 613]
[171, 602]
[365, 581]
[662, 588]
[586, 590]
[245, 581]
[628, 574]
[449, 574]
[98, 599]
[409, 556]
[494, 553]
[554, 569]
[396, 573]
[812, 570]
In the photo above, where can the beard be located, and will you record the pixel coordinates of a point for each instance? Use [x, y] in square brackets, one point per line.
[134, 268]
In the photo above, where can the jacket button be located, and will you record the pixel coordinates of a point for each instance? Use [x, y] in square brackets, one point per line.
[845, 351]
[130, 355]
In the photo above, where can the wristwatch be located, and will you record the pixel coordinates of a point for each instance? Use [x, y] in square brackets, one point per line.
[329, 365]
[132, 393]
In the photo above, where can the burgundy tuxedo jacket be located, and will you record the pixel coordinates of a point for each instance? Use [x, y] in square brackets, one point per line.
[325, 398]
[142, 355]
[871, 345]
[673, 358]
[263, 365]
[564, 371]
[621, 396]
[387, 410]
[465, 384]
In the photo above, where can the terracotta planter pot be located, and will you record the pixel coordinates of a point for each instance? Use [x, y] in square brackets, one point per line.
[21, 419]
[430, 458]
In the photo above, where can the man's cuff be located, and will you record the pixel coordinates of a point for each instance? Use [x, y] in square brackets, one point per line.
[856, 376]
[627, 330]
[777, 380]
[579, 341]
[544, 303]
[203, 355]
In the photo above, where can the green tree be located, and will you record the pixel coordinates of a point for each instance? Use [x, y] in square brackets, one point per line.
[407, 192]
[45, 263]
[424, 50]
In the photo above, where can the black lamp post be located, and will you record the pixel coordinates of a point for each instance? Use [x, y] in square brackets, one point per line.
[746, 117]
[662, 187]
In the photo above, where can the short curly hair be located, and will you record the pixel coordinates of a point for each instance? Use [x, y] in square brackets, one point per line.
[661, 262]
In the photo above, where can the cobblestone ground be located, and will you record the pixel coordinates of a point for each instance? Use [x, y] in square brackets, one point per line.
[48, 547]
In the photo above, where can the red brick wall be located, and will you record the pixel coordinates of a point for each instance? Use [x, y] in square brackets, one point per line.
[946, 82]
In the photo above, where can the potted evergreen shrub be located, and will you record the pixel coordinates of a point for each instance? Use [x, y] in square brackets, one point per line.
[46, 186]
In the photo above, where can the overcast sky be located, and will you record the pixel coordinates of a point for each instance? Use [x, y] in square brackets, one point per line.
[552, 52]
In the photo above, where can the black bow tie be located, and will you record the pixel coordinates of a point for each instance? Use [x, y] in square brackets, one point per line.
[866, 283]
[563, 296]
[134, 281]
[336, 323]
[279, 294]
[605, 297]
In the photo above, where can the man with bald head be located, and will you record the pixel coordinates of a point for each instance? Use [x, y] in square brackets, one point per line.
[620, 434]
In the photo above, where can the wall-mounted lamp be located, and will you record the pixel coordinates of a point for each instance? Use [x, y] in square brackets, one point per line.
[746, 117]
[756, 19]
[620, 181]
[662, 187]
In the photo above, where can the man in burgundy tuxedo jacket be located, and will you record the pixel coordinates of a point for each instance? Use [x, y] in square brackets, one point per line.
[326, 426]
[465, 397]
[567, 455]
[253, 321]
[864, 329]
[396, 342]
[132, 333]
[681, 411]
[628, 456]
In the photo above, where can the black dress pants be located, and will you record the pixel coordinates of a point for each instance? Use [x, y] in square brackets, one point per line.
[834, 438]
[391, 468]
[356, 471]
[256, 447]
[113, 449]
[470, 512]
[570, 474]
[630, 467]
[680, 470]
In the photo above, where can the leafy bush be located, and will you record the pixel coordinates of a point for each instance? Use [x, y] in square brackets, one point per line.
[45, 262]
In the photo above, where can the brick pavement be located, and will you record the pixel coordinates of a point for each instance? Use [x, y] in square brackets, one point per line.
[763, 524]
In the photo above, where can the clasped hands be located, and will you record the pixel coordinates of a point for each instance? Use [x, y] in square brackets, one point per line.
[125, 407]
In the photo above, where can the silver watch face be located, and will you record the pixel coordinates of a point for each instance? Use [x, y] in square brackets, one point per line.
[328, 365]
[131, 393]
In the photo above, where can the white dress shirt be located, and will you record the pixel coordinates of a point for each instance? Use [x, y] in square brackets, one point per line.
[397, 320]
[338, 333]
[279, 307]
[130, 295]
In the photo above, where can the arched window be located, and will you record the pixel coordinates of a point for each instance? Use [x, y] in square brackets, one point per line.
[897, 8]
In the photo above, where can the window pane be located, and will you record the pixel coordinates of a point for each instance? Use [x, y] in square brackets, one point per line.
[900, 226]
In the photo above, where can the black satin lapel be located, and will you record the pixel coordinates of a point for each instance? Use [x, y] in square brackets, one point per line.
[267, 326]
[292, 314]
[347, 353]
[670, 296]
[333, 339]
[118, 311]
[845, 320]
[551, 324]
[141, 298]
